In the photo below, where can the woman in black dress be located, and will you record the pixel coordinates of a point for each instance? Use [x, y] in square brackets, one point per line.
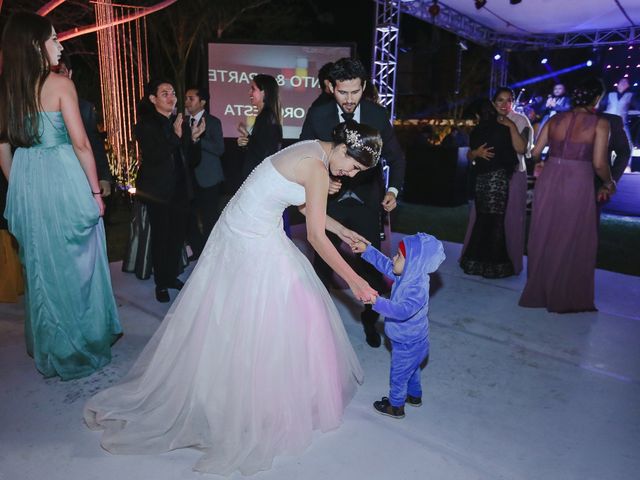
[494, 145]
[265, 138]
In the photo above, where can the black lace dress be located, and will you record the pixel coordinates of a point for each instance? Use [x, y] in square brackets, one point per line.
[486, 253]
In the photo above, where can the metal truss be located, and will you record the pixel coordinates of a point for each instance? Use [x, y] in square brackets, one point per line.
[385, 51]
[463, 26]
[499, 72]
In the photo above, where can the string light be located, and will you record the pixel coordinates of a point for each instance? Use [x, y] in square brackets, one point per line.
[124, 70]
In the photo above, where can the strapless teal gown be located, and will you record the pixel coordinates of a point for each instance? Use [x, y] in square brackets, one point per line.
[71, 316]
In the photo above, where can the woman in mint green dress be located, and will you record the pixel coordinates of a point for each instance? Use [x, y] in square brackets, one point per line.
[54, 207]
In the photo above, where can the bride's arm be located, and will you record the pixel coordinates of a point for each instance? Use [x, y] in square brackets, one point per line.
[316, 185]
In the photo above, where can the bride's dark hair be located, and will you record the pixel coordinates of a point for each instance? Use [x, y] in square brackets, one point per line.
[363, 142]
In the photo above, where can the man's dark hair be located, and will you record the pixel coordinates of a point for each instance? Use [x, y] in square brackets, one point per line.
[64, 58]
[324, 74]
[347, 69]
[202, 93]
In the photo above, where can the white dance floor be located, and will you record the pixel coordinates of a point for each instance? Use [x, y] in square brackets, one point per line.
[510, 393]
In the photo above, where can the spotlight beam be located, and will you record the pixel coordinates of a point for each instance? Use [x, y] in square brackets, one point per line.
[541, 78]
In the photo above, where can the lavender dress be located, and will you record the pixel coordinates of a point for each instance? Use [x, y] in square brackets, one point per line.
[563, 239]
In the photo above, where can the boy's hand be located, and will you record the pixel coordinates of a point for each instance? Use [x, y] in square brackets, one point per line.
[371, 301]
[358, 247]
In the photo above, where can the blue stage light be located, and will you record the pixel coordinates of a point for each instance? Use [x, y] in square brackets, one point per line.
[589, 63]
[544, 60]
[497, 57]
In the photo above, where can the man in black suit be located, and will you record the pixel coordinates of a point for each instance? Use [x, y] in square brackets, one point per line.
[618, 143]
[358, 201]
[324, 82]
[88, 114]
[163, 184]
[204, 131]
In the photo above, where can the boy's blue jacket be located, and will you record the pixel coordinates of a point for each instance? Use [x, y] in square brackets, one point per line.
[406, 310]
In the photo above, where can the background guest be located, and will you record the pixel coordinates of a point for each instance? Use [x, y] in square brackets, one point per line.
[163, 184]
[265, 137]
[325, 85]
[204, 160]
[619, 102]
[515, 215]
[493, 145]
[563, 239]
[558, 101]
[89, 120]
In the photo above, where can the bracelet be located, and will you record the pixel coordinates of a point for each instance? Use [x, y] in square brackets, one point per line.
[96, 193]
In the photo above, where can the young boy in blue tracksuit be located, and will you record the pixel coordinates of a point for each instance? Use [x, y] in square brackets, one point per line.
[406, 323]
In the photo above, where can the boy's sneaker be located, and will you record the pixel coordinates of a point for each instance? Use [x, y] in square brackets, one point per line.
[414, 401]
[385, 408]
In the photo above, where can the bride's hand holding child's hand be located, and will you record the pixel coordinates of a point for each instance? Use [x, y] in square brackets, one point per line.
[350, 237]
[358, 247]
[363, 292]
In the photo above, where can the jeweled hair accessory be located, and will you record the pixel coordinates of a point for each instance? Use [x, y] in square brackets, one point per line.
[354, 140]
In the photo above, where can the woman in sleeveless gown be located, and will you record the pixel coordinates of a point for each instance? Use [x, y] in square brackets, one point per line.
[71, 317]
[563, 239]
[252, 357]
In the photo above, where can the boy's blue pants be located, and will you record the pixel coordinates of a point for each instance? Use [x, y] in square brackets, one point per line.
[405, 370]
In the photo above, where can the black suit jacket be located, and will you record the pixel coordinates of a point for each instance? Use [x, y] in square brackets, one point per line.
[368, 185]
[265, 140]
[88, 114]
[619, 143]
[163, 175]
[204, 156]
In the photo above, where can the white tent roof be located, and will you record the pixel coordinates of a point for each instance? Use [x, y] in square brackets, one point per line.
[550, 16]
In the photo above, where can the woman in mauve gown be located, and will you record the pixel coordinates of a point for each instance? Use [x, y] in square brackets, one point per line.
[563, 238]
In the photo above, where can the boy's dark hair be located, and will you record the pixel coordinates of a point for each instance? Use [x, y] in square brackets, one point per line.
[347, 69]
[202, 93]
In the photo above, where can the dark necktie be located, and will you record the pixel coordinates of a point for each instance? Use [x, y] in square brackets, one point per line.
[347, 116]
[192, 122]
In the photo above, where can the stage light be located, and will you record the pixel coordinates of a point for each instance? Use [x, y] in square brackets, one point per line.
[497, 57]
[544, 60]
[480, 4]
[635, 84]
[608, 66]
[589, 63]
[463, 45]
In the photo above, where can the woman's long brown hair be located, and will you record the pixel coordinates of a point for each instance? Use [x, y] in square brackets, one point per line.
[25, 66]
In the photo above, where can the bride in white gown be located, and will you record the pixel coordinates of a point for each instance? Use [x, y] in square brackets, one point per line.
[252, 356]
